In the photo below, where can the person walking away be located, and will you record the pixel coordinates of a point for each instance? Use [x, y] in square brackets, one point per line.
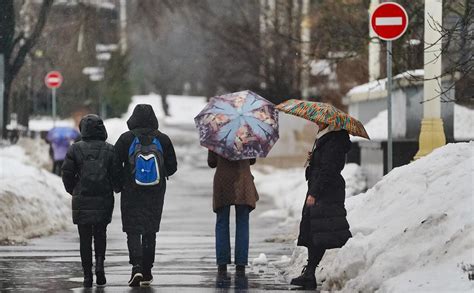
[323, 225]
[90, 173]
[233, 185]
[59, 139]
[148, 159]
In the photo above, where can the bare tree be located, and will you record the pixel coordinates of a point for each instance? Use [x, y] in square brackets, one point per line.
[15, 45]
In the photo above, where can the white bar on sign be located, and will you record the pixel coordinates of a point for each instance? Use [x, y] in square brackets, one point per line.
[388, 21]
[53, 79]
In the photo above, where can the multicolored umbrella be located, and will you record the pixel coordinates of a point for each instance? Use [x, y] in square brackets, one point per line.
[238, 126]
[322, 113]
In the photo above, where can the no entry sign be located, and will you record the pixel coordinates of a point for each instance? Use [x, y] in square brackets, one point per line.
[389, 21]
[53, 79]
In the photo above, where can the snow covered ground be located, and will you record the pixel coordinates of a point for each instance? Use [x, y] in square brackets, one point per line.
[182, 110]
[413, 231]
[32, 200]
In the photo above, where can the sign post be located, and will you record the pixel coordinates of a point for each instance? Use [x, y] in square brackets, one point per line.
[389, 22]
[53, 80]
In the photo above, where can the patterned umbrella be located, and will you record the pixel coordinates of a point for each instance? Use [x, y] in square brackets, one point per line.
[238, 126]
[325, 114]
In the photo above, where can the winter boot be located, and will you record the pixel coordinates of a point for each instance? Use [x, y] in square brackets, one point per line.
[147, 277]
[136, 277]
[307, 280]
[222, 270]
[88, 279]
[240, 270]
[99, 271]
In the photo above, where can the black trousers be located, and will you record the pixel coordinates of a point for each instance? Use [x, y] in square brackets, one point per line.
[86, 233]
[315, 254]
[141, 249]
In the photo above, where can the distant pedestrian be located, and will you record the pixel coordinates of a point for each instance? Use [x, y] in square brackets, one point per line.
[233, 185]
[323, 224]
[148, 159]
[59, 139]
[90, 173]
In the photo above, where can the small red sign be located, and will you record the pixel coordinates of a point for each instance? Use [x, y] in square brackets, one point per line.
[389, 21]
[53, 79]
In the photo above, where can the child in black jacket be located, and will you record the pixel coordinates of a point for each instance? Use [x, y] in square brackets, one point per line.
[90, 174]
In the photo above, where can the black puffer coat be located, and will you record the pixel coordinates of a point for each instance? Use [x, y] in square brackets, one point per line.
[325, 224]
[142, 206]
[88, 205]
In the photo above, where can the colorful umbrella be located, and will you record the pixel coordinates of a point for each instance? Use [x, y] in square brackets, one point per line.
[238, 126]
[324, 113]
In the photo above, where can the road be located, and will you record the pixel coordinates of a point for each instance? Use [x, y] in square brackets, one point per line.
[185, 255]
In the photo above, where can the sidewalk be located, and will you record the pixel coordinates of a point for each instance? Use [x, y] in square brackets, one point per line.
[185, 256]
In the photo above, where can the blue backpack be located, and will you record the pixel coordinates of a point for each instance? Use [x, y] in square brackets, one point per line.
[147, 162]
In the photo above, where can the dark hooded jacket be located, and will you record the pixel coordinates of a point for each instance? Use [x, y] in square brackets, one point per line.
[142, 206]
[91, 205]
[324, 224]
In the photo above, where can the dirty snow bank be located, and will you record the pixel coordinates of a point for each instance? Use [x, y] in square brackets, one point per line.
[32, 200]
[288, 187]
[413, 231]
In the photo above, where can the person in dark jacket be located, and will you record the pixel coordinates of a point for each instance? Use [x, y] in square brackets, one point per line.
[90, 172]
[323, 225]
[142, 206]
[233, 185]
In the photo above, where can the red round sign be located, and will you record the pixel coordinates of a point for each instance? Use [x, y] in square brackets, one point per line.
[53, 79]
[389, 21]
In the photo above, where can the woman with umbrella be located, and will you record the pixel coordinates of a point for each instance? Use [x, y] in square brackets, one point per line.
[236, 128]
[324, 225]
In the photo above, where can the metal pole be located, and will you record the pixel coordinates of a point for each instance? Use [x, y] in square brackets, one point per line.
[2, 78]
[389, 107]
[54, 107]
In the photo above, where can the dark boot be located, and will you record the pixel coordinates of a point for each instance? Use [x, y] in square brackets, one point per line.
[222, 270]
[99, 271]
[147, 277]
[307, 280]
[136, 277]
[88, 279]
[240, 270]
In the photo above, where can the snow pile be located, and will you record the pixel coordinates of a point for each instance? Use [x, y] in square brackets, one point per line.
[463, 125]
[290, 192]
[32, 201]
[261, 260]
[355, 179]
[413, 231]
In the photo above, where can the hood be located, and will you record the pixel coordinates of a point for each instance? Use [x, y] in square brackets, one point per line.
[143, 116]
[92, 128]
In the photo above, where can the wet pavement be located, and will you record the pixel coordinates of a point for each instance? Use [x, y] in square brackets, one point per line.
[185, 255]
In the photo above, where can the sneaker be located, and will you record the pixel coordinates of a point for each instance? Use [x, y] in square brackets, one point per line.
[147, 278]
[307, 280]
[136, 277]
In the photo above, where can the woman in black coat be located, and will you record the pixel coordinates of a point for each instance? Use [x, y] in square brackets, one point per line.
[142, 206]
[323, 224]
[90, 172]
